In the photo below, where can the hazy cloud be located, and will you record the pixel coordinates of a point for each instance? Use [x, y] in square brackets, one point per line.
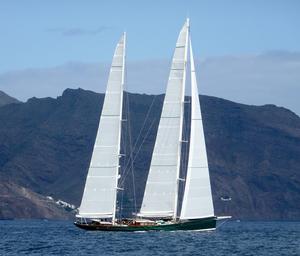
[78, 31]
[272, 77]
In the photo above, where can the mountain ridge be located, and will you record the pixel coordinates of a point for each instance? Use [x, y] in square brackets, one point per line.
[5, 99]
[253, 151]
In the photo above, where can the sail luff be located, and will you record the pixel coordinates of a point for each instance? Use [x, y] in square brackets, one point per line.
[99, 197]
[197, 199]
[161, 187]
[181, 122]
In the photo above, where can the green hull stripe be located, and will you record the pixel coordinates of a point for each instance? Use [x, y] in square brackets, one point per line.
[197, 224]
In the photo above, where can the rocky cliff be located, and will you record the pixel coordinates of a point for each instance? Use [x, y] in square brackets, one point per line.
[46, 144]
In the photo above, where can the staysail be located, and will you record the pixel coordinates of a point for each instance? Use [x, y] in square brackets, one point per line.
[197, 200]
[99, 197]
[160, 197]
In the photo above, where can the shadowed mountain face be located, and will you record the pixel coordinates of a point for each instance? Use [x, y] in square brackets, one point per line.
[253, 153]
[6, 99]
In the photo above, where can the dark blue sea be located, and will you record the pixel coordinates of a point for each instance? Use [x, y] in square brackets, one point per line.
[232, 238]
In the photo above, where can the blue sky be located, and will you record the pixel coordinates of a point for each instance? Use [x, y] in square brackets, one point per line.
[46, 36]
[35, 33]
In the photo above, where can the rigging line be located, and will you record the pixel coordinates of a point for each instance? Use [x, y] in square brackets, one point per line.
[136, 155]
[124, 145]
[123, 159]
[121, 205]
[141, 130]
[125, 128]
[143, 126]
[122, 182]
[130, 147]
[187, 131]
[188, 126]
[184, 156]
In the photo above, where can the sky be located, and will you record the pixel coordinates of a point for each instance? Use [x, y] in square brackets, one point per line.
[247, 51]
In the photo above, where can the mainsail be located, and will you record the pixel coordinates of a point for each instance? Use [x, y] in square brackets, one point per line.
[197, 200]
[160, 197]
[100, 192]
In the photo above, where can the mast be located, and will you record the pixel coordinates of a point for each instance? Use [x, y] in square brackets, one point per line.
[100, 192]
[160, 197]
[120, 127]
[181, 122]
[197, 200]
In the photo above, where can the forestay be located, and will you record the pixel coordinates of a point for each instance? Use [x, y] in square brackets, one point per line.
[197, 201]
[160, 197]
[99, 197]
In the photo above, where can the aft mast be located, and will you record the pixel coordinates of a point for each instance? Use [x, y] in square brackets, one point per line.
[160, 197]
[100, 193]
[181, 120]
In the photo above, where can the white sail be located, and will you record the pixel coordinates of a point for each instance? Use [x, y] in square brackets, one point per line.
[197, 200]
[160, 197]
[99, 197]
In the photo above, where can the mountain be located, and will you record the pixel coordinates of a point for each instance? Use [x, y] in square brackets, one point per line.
[6, 99]
[46, 145]
[20, 202]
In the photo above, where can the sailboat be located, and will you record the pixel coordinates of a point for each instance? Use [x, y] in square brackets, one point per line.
[160, 205]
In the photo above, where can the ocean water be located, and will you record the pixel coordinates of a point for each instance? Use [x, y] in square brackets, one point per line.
[231, 238]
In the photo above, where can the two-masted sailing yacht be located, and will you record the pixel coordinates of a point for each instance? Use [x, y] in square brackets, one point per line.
[159, 209]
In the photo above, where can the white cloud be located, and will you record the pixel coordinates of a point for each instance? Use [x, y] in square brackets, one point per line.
[272, 77]
[44, 82]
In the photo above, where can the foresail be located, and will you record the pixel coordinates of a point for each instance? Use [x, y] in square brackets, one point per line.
[160, 197]
[99, 197]
[197, 200]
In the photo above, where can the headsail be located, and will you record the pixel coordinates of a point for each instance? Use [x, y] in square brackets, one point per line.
[197, 200]
[160, 197]
[99, 197]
